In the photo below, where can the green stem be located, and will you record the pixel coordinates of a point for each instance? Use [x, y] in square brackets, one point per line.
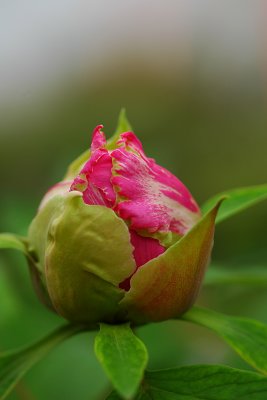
[43, 346]
[15, 364]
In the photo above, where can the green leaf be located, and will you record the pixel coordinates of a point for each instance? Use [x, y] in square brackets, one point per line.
[237, 200]
[10, 241]
[248, 276]
[123, 357]
[122, 126]
[246, 336]
[15, 364]
[201, 382]
[166, 286]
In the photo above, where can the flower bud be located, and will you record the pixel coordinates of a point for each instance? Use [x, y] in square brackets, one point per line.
[122, 240]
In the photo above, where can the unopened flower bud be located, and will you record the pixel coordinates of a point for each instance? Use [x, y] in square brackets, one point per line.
[122, 240]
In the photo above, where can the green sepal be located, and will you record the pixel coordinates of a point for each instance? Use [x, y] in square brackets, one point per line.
[167, 286]
[37, 238]
[123, 125]
[40, 228]
[76, 166]
[123, 357]
[87, 255]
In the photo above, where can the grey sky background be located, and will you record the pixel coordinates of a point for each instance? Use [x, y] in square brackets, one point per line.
[42, 42]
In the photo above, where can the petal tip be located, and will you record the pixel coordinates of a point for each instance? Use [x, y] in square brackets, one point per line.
[98, 138]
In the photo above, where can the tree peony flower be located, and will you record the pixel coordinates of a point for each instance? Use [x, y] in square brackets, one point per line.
[122, 240]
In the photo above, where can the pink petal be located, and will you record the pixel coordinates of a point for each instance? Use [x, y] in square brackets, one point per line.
[151, 197]
[98, 138]
[145, 249]
[94, 180]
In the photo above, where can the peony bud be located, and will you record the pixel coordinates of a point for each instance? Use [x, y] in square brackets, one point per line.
[123, 240]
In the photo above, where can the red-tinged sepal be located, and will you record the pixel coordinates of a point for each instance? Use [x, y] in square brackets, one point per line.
[168, 285]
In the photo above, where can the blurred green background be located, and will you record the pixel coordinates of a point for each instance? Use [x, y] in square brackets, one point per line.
[192, 77]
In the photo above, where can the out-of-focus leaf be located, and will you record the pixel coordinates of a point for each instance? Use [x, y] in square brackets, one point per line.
[236, 200]
[248, 276]
[10, 241]
[246, 336]
[123, 357]
[15, 364]
[201, 382]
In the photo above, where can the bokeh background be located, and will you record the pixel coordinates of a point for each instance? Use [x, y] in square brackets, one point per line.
[192, 76]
